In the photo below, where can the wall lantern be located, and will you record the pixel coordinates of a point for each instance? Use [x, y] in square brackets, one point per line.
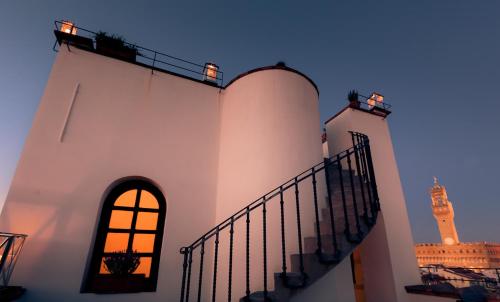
[376, 99]
[210, 72]
[68, 27]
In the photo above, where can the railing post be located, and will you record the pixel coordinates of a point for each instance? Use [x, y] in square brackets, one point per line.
[190, 263]
[200, 276]
[283, 243]
[369, 188]
[230, 278]
[247, 292]
[216, 254]
[316, 211]
[372, 174]
[299, 229]
[264, 241]
[330, 206]
[357, 147]
[347, 230]
[353, 193]
[184, 267]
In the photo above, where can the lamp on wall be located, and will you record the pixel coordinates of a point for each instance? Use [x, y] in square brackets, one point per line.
[68, 27]
[210, 72]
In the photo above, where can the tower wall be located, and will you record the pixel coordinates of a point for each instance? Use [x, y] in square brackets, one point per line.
[388, 257]
[270, 132]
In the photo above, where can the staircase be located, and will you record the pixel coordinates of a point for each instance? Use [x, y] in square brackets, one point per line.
[334, 205]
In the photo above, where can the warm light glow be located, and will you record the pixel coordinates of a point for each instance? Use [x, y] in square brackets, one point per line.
[68, 27]
[148, 201]
[375, 99]
[144, 267]
[127, 199]
[121, 219]
[211, 72]
[146, 221]
[116, 242]
[143, 243]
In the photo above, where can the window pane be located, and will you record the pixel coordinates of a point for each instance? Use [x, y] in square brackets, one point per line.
[116, 242]
[144, 267]
[102, 269]
[121, 219]
[146, 221]
[143, 243]
[127, 199]
[148, 200]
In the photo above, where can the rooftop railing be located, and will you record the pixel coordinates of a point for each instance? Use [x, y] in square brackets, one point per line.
[10, 248]
[84, 38]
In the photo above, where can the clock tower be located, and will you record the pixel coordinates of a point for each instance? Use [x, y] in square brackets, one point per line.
[443, 212]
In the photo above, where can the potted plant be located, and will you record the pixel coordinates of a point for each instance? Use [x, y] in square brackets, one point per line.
[353, 98]
[122, 263]
[115, 46]
[121, 266]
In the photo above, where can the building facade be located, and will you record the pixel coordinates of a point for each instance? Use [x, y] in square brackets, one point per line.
[128, 164]
[451, 252]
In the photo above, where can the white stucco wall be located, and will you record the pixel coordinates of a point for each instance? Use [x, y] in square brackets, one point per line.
[270, 132]
[388, 256]
[125, 121]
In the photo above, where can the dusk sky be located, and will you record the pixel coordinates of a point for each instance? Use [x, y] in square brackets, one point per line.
[436, 62]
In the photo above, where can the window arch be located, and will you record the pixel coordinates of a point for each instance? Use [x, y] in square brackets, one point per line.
[130, 229]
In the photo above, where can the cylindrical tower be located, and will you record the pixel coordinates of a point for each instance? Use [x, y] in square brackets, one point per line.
[270, 132]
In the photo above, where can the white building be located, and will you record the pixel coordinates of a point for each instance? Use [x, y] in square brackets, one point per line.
[126, 156]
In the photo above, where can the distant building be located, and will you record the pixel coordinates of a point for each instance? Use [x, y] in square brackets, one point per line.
[451, 252]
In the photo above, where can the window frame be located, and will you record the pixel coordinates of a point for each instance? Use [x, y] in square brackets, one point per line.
[132, 283]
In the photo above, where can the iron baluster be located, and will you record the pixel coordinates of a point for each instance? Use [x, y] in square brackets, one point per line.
[190, 262]
[330, 206]
[299, 229]
[248, 256]
[316, 212]
[283, 246]
[216, 254]
[361, 142]
[200, 277]
[360, 178]
[347, 230]
[230, 279]
[184, 268]
[372, 175]
[264, 241]
[353, 194]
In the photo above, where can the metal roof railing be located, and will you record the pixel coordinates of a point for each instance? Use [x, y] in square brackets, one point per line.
[154, 59]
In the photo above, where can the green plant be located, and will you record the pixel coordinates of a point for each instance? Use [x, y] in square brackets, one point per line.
[113, 41]
[353, 97]
[122, 263]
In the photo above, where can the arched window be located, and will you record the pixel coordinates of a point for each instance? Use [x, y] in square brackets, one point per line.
[126, 253]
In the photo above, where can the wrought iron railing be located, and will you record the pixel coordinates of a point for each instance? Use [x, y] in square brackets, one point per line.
[367, 103]
[349, 179]
[10, 248]
[149, 57]
[486, 277]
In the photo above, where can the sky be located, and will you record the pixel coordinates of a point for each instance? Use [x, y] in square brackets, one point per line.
[436, 62]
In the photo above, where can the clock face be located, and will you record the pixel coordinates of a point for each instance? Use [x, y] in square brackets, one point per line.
[449, 241]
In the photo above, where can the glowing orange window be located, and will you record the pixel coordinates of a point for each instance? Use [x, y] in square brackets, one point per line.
[129, 239]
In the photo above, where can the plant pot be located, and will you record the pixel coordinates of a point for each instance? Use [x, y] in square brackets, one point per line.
[110, 284]
[108, 48]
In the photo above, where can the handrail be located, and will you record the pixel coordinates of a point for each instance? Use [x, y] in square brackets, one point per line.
[10, 248]
[273, 193]
[359, 201]
[151, 56]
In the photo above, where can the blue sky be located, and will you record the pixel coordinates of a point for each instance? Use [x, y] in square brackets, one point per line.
[437, 63]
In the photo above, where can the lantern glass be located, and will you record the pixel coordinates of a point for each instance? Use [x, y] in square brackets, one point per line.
[68, 28]
[210, 73]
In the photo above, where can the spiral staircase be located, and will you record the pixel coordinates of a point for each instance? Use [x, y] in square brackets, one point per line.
[340, 223]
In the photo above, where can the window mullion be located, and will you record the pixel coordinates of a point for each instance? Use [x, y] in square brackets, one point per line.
[134, 220]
